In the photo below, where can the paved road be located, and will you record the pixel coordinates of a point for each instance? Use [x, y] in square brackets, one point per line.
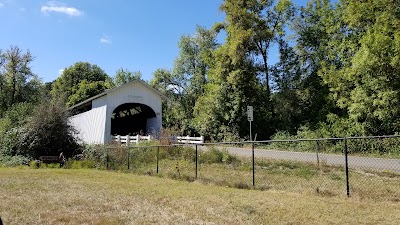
[354, 162]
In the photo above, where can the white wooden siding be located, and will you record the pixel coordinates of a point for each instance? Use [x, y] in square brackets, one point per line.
[91, 125]
[102, 101]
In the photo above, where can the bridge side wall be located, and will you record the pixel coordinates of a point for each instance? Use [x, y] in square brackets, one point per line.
[91, 125]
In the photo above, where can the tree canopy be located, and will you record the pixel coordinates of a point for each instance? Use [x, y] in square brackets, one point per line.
[78, 82]
[337, 72]
[124, 76]
[17, 81]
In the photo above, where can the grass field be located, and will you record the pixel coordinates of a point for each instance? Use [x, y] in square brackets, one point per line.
[79, 196]
[217, 167]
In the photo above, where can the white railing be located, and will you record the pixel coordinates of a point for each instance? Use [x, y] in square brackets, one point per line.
[130, 139]
[176, 139]
[189, 140]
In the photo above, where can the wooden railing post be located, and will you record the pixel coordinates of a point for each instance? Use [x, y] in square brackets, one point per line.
[128, 140]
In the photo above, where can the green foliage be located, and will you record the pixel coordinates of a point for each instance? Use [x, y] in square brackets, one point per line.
[239, 74]
[12, 161]
[337, 75]
[214, 155]
[388, 147]
[124, 76]
[252, 27]
[12, 127]
[9, 142]
[86, 90]
[211, 156]
[185, 83]
[365, 80]
[75, 83]
[48, 132]
[95, 153]
[17, 82]
[34, 164]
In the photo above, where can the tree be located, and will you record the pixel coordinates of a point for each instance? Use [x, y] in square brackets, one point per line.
[17, 82]
[239, 74]
[253, 26]
[365, 80]
[48, 132]
[86, 90]
[290, 97]
[185, 83]
[314, 27]
[219, 112]
[124, 76]
[68, 84]
[11, 127]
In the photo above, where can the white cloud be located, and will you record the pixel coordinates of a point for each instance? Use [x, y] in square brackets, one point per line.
[59, 7]
[1, 4]
[105, 40]
[60, 71]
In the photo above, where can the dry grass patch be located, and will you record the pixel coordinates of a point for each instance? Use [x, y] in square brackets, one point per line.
[59, 196]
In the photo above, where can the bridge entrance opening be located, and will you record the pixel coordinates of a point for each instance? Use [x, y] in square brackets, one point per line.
[131, 119]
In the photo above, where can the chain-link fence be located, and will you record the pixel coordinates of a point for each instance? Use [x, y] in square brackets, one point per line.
[363, 167]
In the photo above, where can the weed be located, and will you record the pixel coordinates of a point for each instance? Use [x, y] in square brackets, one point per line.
[211, 156]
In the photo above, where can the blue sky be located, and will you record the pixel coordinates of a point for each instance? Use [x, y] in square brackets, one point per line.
[137, 34]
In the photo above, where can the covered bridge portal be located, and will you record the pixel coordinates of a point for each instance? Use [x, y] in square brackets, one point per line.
[130, 109]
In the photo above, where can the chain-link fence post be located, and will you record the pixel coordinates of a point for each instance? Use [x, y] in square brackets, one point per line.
[347, 167]
[129, 157]
[196, 162]
[317, 150]
[107, 158]
[252, 153]
[157, 156]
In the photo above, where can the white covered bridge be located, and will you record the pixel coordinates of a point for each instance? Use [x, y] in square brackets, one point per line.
[130, 109]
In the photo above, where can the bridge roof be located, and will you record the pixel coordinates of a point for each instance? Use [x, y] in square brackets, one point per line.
[116, 88]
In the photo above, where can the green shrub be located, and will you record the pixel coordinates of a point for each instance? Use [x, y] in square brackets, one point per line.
[376, 146]
[282, 135]
[141, 156]
[12, 161]
[48, 132]
[34, 164]
[229, 158]
[97, 153]
[211, 156]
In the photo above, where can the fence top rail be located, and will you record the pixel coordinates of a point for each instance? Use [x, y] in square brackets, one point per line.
[374, 137]
[297, 140]
[326, 139]
[266, 141]
[225, 143]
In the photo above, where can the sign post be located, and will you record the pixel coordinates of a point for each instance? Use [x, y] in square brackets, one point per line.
[250, 117]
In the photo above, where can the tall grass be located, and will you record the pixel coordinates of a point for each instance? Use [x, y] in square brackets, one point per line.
[218, 167]
[61, 196]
